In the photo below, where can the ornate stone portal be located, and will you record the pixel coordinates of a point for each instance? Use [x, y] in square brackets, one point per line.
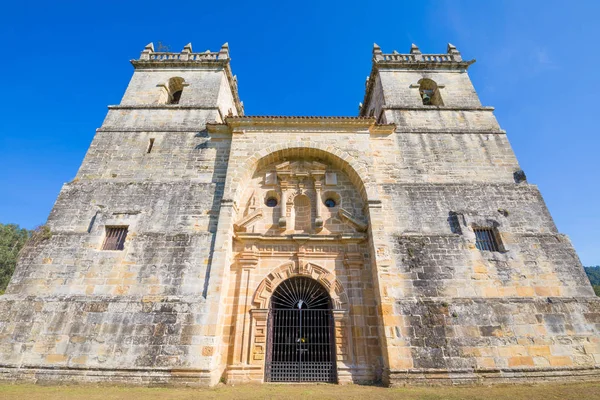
[440, 262]
[302, 217]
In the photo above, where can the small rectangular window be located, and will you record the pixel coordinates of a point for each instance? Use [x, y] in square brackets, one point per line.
[485, 239]
[150, 146]
[114, 238]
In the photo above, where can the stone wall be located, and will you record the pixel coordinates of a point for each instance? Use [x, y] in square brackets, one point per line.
[202, 90]
[494, 340]
[196, 156]
[129, 339]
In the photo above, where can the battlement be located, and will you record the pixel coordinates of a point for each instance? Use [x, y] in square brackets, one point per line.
[186, 56]
[417, 60]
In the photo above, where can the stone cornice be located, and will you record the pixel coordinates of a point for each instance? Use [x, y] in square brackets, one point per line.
[448, 131]
[468, 185]
[190, 129]
[438, 108]
[422, 65]
[287, 123]
[338, 238]
[190, 64]
[161, 107]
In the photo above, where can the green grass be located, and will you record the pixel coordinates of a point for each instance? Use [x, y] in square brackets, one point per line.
[549, 391]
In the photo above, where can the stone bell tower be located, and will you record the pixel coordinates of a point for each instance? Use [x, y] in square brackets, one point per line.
[475, 252]
[122, 282]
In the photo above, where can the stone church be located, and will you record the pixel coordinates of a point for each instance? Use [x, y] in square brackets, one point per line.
[198, 244]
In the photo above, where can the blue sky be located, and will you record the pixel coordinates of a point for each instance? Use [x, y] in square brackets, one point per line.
[537, 63]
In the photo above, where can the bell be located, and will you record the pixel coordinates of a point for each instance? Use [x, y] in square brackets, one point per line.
[426, 99]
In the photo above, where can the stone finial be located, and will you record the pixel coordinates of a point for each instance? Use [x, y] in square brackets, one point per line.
[224, 52]
[147, 50]
[377, 53]
[376, 49]
[414, 49]
[452, 49]
[185, 53]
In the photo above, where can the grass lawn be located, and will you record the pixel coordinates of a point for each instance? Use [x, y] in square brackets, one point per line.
[549, 391]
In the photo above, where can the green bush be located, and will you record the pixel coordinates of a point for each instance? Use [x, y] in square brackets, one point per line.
[12, 240]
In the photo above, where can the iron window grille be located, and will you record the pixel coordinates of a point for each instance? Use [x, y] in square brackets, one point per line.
[485, 239]
[114, 238]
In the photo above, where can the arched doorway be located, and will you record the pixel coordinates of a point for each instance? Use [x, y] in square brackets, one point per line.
[300, 343]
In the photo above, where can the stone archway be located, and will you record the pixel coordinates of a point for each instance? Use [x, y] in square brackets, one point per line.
[357, 171]
[258, 333]
[300, 336]
[264, 291]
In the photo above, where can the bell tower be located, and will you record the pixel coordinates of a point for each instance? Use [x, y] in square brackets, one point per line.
[400, 84]
[201, 82]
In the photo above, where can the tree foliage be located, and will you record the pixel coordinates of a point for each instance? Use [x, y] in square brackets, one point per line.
[593, 274]
[12, 240]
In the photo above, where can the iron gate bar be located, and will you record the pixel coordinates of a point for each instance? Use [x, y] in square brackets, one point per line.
[300, 344]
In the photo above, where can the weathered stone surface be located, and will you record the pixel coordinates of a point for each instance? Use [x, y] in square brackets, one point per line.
[221, 208]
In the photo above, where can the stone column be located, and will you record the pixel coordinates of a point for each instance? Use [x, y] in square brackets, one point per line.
[344, 357]
[283, 206]
[258, 342]
[318, 178]
[248, 261]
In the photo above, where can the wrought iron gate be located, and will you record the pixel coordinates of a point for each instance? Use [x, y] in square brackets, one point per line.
[300, 345]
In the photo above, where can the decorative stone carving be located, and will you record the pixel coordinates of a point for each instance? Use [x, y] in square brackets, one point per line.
[269, 283]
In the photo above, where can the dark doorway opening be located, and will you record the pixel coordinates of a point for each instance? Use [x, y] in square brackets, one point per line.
[300, 345]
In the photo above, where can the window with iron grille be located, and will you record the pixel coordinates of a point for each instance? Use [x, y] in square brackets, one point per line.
[114, 238]
[485, 239]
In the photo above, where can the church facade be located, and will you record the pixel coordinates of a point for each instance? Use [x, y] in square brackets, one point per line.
[197, 244]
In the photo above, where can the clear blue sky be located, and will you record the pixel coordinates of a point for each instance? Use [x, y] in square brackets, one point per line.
[537, 63]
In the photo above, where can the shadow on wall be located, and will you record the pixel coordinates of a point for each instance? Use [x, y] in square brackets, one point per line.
[221, 162]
